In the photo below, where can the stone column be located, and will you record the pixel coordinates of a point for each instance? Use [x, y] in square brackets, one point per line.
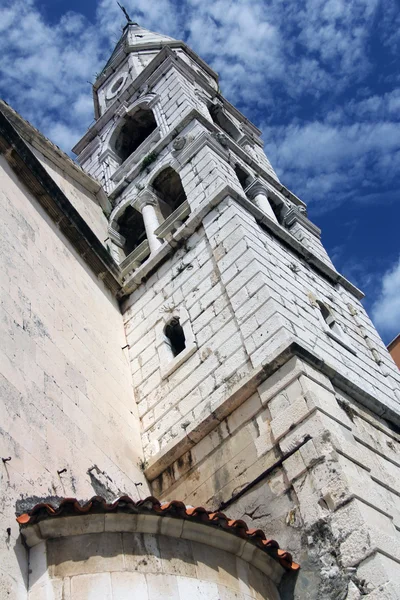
[146, 203]
[257, 192]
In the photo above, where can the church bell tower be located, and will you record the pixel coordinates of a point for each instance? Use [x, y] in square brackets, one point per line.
[262, 386]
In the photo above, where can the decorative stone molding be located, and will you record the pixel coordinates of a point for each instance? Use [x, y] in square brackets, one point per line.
[115, 236]
[145, 198]
[256, 187]
[129, 164]
[170, 363]
[174, 221]
[107, 154]
[202, 95]
[93, 147]
[135, 259]
[221, 138]
[121, 111]
[149, 101]
[113, 91]
[179, 143]
[202, 140]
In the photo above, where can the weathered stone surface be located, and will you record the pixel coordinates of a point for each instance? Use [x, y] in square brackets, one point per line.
[270, 412]
[66, 398]
[147, 566]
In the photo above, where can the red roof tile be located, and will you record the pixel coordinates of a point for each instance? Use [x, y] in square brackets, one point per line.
[177, 509]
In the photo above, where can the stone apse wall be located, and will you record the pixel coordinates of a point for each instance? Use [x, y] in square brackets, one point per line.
[120, 556]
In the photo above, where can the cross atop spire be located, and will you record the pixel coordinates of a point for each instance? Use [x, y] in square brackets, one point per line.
[129, 20]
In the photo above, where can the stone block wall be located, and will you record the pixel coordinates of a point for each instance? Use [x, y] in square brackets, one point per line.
[257, 270]
[246, 296]
[84, 201]
[68, 418]
[310, 241]
[188, 280]
[147, 566]
[331, 485]
[177, 96]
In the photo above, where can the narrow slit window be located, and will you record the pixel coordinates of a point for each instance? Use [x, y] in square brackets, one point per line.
[175, 336]
[327, 315]
[330, 319]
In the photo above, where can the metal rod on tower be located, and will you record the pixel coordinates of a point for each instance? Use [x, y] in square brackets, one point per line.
[125, 12]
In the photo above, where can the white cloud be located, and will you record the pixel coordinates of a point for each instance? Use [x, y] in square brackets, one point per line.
[278, 60]
[45, 68]
[310, 49]
[299, 52]
[342, 160]
[386, 310]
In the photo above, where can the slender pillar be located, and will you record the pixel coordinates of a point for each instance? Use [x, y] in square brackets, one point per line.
[146, 203]
[257, 192]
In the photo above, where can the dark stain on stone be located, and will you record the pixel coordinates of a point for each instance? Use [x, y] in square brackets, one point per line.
[26, 504]
[101, 487]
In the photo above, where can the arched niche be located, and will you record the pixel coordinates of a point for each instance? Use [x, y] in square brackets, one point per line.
[132, 131]
[175, 336]
[168, 186]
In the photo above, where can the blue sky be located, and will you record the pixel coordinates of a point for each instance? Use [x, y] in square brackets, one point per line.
[319, 77]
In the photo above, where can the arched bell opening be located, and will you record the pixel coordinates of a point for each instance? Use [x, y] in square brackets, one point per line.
[134, 130]
[131, 227]
[169, 189]
[279, 209]
[243, 176]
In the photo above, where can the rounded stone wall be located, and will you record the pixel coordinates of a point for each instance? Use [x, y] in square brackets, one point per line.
[123, 557]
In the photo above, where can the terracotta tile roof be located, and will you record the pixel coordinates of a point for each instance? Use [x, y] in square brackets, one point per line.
[177, 509]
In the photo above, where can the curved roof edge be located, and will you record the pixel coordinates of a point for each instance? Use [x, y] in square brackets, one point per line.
[175, 509]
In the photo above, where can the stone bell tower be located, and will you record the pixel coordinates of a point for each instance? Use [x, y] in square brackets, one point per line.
[262, 386]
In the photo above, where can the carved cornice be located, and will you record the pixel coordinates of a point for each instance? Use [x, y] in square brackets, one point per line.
[239, 393]
[294, 215]
[109, 153]
[256, 187]
[116, 237]
[202, 140]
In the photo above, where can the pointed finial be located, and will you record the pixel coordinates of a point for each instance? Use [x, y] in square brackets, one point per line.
[125, 13]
